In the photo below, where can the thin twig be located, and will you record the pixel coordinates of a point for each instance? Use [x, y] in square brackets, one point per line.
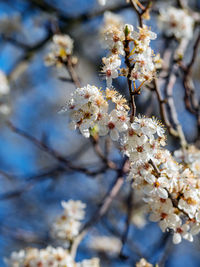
[105, 204]
[55, 154]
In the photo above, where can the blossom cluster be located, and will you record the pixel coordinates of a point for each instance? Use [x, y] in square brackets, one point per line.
[171, 190]
[176, 22]
[57, 257]
[115, 34]
[190, 158]
[61, 48]
[67, 225]
[89, 109]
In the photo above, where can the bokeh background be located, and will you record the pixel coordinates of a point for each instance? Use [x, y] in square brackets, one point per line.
[28, 205]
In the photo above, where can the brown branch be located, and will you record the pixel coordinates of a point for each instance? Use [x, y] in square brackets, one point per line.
[109, 163]
[134, 5]
[114, 231]
[103, 208]
[31, 181]
[25, 236]
[191, 102]
[130, 86]
[163, 111]
[141, 12]
[55, 154]
[166, 252]
[72, 72]
[170, 101]
[128, 221]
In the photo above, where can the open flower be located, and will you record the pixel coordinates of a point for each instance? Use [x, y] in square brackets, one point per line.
[115, 123]
[180, 232]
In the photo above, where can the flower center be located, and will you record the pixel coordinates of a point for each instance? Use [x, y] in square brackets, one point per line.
[111, 125]
[179, 230]
[140, 149]
[156, 184]
[108, 73]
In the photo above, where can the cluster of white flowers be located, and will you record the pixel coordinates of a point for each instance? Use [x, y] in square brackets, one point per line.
[61, 48]
[143, 263]
[56, 257]
[143, 56]
[190, 158]
[4, 92]
[67, 225]
[171, 190]
[176, 22]
[114, 33]
[89, 109]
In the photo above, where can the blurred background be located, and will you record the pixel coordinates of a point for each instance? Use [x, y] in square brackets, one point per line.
[29, 201]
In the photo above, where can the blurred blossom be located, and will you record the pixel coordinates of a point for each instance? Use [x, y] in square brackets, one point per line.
[57, 257]
[143, 263]
[176, 22]
[102, 2]
[61, 48]
[4, 85]
[66, 227]
[5, 109]
[106, 244]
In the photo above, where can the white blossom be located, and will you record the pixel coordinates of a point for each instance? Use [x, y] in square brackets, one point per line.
[176, 22]
[67, 226]
[4, 85]
[56, 257]
[88, 108]
[110, 68]
[106, 244]
[61, 48]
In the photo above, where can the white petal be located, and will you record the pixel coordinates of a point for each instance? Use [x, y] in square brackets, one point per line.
[154, 217]
[85, 132]
[72, 125]
[122, 127]
[163, 225]
[135, 126]
[103, 130]
[198, 216]
[195, 229]
[114, 135]
[162, 193]
[176, 238]
[188, 237]
[114, 74]
[150, 179]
